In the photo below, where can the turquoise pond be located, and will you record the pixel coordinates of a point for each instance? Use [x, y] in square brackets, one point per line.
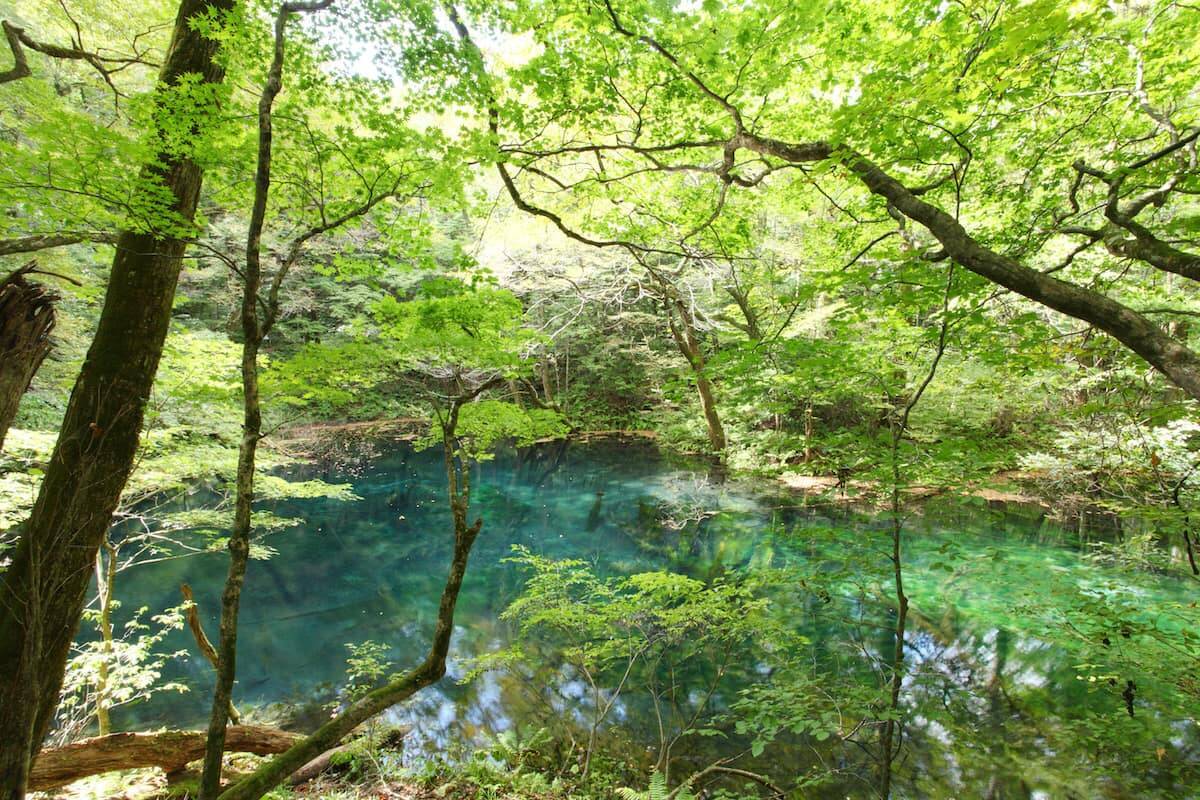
[997, 703]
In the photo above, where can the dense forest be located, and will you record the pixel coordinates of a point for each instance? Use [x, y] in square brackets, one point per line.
[662, 399]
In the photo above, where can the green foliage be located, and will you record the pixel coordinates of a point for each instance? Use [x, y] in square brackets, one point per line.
[366, 666]
[629, 639]
[607, 623]
[816, 318]
[1123, 463]
[485, 423]
[132, 665]
[656, 790]
[480, 328]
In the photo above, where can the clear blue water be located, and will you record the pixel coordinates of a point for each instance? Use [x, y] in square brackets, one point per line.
[991, 705]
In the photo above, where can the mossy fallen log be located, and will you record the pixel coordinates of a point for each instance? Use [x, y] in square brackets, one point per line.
[169, 750]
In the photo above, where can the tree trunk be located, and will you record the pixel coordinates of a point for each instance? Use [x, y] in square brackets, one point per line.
[430, 671]
[708, 404]
[26, 320]
[106, 578]
[318, 765]
[689, 346]
[239, 536]
[42, 595]
[239, 554]
[514, 391]
[254, 331]
[545, 367]
[887, 737]
[171, 751]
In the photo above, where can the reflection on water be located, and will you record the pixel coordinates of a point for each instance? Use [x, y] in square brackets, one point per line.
[992, 708]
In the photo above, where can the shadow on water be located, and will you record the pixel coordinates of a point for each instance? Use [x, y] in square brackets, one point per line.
[993, 707]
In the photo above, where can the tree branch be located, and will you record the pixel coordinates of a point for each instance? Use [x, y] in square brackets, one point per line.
[106, 66]
[46, 241]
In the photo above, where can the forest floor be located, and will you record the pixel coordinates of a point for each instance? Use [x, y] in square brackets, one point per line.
[391, 790]
[149, 784]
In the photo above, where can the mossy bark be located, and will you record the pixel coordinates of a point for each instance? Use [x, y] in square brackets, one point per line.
[43, 589]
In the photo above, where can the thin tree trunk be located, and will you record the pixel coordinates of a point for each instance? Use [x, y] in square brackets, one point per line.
[252, 335]
[808, 430]
[887, 739]
[708, 404]
[689, 346]
[1191, 553]
[239, 549]
[544, 368]
[26, 320]
[106, 577]
[430, 671]
[239, 553]
[43, 589]
[254, 331]
[202, 642]
[898, 420]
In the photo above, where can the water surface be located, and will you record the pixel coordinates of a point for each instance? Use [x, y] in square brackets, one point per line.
[992, 706]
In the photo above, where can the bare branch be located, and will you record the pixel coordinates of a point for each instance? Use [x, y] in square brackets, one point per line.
[106, 66]
[46, 241]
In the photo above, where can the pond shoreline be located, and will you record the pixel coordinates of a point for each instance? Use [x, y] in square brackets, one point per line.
[1002, 489]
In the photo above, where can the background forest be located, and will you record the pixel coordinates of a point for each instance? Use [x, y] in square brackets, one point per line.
[927, 268]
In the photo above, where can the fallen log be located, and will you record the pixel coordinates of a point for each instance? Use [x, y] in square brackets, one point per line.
[392, 739]
[169, 750]
[318, 765]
